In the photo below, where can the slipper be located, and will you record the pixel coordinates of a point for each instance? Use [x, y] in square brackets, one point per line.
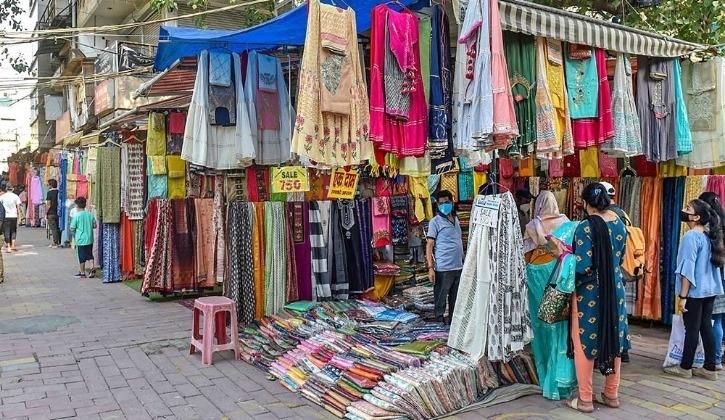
[609, 402]
[580, 405]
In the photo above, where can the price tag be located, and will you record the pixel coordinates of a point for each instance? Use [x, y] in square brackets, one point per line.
[486, 211]
[290, 179]
[343, 184]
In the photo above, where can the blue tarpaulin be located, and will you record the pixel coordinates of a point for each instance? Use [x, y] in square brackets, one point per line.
[287, 29]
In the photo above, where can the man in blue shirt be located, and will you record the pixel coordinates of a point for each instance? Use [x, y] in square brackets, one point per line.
[444, 254]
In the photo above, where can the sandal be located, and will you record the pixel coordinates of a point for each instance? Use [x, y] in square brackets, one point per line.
[609, 402]
[581, 406]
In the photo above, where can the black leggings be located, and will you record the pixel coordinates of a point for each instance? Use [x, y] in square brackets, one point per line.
[698, 323]
[10, 229]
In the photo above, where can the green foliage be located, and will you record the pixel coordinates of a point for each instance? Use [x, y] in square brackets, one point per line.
[251, 16]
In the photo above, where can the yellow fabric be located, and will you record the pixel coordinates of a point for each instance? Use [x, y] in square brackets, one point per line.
[156, 136]
[158, 165]
[383, 285]
[526, 166]
[176, 182]
[449, 182]
[413, 166]
[589, 162]
[719, 170]
[479, 178]
[694, 186]
[419, 190]
[551, 93]
[672, 169]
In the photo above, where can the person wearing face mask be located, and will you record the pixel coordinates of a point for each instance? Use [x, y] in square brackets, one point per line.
[523, 204]
[444, 255]
[699, 265]
[718, 309]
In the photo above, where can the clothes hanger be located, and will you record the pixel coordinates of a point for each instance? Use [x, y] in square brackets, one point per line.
[628, 170]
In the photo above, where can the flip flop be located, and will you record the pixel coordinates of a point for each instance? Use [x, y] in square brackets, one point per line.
[609, 402]
[575, 404]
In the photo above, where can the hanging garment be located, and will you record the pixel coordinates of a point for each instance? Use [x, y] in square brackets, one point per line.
[134, 182]
[175, 136]
[108, 185]
[298, 218]
[505, 127]
[219, 229]
[492, 320]
[440, 142]
[216, 146]
[656, 108]
[159, 244]
[138, 249]
[472, 92]
[607, 165]
[627, 140]
[521, 60]
[127, 243]
[649, 305]
[582, 83]
[589, 162]
[205, 265]
[157, 184]
[554, 138]
[398, 111]
[328, 138]
[704, 88]
[683, 136]
[258, 183]
[425, 35]
[275, 273]
[673, 192]
[182, 250]
[595, 131]
[258, 249]
[716, 184]
[694, 186]
[235, 186]
[111, 252]
[156, 134]
[240, 286]
[423, 208]
[399, 219]
[176, 182]
[366, 236]
[319, 242]
[222, 92]
[291, 281]
[270, 110]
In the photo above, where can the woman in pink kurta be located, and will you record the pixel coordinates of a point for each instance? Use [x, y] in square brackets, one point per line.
[595, 131]
[505, 128]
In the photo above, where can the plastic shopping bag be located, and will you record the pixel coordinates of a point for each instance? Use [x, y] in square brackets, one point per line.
[677, 344]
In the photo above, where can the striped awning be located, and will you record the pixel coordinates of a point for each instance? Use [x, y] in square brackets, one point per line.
[535, 19]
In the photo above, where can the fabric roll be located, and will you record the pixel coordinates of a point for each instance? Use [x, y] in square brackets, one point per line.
[219, 226]
[366, 236]
[240, 284]
[629, 198]
[111, 252]
[138, 250]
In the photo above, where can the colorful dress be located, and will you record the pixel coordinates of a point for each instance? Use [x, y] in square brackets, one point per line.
[587, 286]
[596, 130]
[627, 140]
[521, 60]
[553, 127]
[505, 127]
[557, 376]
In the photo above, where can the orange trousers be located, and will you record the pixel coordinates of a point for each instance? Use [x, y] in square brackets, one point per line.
[585, 367]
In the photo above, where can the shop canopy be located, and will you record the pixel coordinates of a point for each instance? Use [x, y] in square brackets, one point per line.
[289, 29]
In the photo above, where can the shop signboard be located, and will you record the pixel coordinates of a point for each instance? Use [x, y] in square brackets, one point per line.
[343, 183]
[290, 179]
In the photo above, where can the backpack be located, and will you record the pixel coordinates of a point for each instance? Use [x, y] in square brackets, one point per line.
[633, 262]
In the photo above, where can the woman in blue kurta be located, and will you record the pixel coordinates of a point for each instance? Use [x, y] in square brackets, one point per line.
[599, 329]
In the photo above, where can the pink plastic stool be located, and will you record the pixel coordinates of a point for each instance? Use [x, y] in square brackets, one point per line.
[215, 310]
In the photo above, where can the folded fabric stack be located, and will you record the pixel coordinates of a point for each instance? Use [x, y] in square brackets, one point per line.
[464, 217]
[386, 268]
[421, 296]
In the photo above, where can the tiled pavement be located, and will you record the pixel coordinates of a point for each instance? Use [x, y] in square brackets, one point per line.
[83, 349]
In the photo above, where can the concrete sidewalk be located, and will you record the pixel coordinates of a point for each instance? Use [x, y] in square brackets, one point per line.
[79, 348]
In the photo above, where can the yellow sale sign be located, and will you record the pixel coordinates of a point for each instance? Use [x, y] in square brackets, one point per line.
[290, 179]
[343, 183]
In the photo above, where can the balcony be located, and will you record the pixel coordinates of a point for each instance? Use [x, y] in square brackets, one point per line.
[58, 14]
[108, 11]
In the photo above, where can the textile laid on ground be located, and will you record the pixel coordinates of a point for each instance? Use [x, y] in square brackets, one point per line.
[704, 90]
[331, 127]
[492, 320]
[217, 146]
[240, 283]
[107, 191]
[270, 110]
[111, 252]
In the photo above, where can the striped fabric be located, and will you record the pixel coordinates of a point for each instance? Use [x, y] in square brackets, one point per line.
[538, 20]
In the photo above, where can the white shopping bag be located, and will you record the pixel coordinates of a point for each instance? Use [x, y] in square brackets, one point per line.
[677, 345]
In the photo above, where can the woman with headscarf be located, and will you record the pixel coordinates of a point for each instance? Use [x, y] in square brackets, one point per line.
[599, 330]
[554, 368]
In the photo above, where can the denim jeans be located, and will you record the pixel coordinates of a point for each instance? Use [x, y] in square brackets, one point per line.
[717, 333]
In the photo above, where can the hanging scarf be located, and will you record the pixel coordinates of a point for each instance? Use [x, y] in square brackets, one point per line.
[291, 278]
[203, 230]
[258, 247]
[366, 234]
[111, 252]
[319, 236]
[134, 164]
[218, 224]
[608, 322]
[441, 85]
[182, 252]
[241, 288]
[276, 260]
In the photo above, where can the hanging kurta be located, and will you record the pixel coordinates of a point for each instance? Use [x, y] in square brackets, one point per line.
[505, 127]
[704, 88]
[332, 122]
[521, 60]
[627, 140]
[673, 191]
[299, 222]
[593, 131]
[134, 182]
[656, 108]
[683, 135]
[553, 127]
[270, 110]
[440, 145]
[211, 145]
[398, 112]
[108, 185]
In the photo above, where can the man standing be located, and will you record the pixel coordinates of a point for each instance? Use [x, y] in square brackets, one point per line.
[11, 203]
[444, 254]
[51, 202]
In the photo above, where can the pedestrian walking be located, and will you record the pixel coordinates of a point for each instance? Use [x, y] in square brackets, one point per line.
[51, 216]
[82, 227]
[12, 206]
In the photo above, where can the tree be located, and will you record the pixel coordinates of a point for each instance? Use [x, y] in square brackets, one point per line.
[698, 21]
[10, 12]
[251, 16]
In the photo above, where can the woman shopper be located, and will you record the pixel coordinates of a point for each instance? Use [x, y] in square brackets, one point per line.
[718, 308]
[598, 321]
[699, 265]
[555, 370]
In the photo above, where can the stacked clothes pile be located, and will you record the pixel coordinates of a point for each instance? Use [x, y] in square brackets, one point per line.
[364, 360]
[421, 297]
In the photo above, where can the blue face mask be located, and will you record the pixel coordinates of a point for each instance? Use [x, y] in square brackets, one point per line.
[445, 208]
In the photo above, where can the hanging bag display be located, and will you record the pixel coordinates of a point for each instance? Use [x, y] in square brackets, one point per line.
[555, 304]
